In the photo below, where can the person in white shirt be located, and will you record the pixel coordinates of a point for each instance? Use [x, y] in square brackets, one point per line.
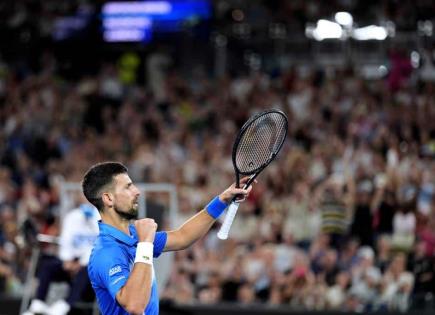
[78, 233]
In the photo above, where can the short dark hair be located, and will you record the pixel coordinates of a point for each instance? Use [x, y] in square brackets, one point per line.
[97, 178]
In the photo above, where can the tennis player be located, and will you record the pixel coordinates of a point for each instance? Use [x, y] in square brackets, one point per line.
[121, 264]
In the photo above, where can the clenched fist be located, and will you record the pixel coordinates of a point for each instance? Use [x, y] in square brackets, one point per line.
[146, 230]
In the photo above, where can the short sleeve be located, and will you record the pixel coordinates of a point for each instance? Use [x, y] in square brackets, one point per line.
[112, 268]
[159, 243]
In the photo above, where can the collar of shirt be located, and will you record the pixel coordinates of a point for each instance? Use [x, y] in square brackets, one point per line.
[106, 229]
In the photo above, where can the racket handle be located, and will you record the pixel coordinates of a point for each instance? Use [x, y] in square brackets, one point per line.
[229, 218]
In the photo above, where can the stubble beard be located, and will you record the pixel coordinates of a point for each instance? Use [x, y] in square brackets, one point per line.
[128, 215]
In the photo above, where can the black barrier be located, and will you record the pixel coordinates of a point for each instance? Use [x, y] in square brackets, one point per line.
[11, 306]
[259, 309]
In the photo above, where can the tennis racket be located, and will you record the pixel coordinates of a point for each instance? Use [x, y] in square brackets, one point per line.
[257, 144]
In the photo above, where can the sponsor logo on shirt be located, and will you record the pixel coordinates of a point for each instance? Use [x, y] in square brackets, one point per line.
[114, 270]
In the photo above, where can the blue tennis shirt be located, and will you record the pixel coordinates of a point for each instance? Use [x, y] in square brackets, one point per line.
[110, 264]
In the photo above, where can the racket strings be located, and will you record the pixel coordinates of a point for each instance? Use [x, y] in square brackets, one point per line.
[253, 148]
[260, 142]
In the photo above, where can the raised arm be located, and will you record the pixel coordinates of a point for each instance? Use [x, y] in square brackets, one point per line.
[198, 225]
[135, 294]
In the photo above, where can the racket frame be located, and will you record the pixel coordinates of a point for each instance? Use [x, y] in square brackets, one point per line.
[224, 230]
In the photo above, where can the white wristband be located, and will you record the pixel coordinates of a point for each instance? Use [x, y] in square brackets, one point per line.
[144, 253]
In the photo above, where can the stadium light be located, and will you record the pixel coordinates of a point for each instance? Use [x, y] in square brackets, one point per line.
[325, 30]
[383, 70]
[344, 18]
[371, 32]
[425, 28]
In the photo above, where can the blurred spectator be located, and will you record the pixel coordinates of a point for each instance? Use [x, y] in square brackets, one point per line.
[79, 231]
[335, 204]
[212, 293]
[232, 282]
[336, 294]
[397, 284]
[384, 205]
[365, 278]
[422, 266]
[302, 220]
[348, 255]
[362, 225]
[11, 257]
[246, 294]
[404, 224]
[181, 289]
[327, 267]
[383, 252]
[427, 236]
[354, 182]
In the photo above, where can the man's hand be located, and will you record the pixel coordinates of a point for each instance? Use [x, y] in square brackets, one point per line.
[232, 191]
[72, 266]
[146, 230]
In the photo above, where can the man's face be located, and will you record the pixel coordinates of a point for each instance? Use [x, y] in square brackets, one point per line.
[126, 197]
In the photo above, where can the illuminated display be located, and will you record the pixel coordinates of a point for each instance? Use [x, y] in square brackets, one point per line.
[136, 21]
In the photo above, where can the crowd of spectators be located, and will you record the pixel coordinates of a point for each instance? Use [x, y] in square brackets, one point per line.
[344, 219]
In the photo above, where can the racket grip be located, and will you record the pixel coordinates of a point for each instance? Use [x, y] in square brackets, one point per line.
[229, 218]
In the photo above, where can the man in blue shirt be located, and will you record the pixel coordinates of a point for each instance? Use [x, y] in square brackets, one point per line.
[121, 264]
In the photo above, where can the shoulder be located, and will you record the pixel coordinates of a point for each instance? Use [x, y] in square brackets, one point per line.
[105, 249]
[105, 244]
[104, 255]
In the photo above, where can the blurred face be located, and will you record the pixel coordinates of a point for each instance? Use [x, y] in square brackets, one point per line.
[383, 245]
[245, 294]
[126, 197]
[331, 258]
[342, 279]
[399, 263]
[420, 249]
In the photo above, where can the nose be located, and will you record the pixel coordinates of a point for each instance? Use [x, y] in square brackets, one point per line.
[137, 191]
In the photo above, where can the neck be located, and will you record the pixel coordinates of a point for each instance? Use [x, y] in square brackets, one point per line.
[110, 217]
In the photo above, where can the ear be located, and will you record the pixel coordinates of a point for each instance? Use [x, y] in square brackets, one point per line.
[107, 198]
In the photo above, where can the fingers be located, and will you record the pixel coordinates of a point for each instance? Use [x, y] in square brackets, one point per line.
[241, 194]
[245, 179]
[146, 229]
[241, 191]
